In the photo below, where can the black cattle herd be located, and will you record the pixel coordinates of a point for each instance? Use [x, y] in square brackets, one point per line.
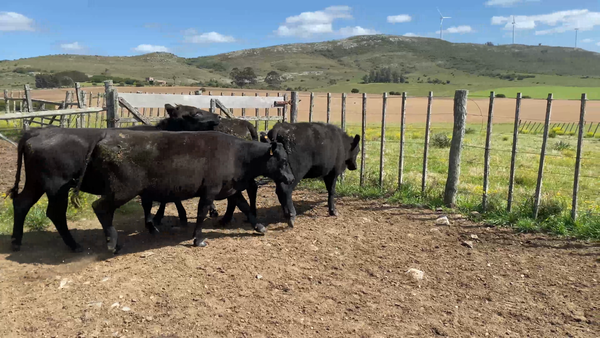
[191, 153]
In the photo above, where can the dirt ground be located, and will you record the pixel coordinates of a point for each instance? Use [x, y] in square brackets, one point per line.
[342, 276]
[416, 107]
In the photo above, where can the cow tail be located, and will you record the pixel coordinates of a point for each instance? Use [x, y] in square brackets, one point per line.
[14, 191]
[75, 199]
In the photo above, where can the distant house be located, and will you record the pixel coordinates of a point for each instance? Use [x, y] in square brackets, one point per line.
[149, 79]
[160, 82]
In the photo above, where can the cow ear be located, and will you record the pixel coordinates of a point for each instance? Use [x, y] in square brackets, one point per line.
[273, 148]
[170, 109]
[355, 141]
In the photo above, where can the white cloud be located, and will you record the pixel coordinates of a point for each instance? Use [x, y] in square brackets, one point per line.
[71, 46]
[399, 18]
[192, 36]
[358, 30]
[458, 30]
[150, 48]
[506, 3]
[587, 40]
[562, 21]
[411, 35]
[11, 21]
[308, 24]
[598, 44]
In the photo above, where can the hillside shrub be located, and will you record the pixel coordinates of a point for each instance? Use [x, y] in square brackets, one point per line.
[441, 140]
[552, 133]
[561, 145]
[526, 97]
[500, 95]
[470, 131]
[355, 90]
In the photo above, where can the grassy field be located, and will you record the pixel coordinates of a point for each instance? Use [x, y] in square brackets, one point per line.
[557, 186]
[541, 92]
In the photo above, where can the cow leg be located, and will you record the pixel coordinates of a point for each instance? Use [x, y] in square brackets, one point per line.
[213, 213]
[147, 205]
[246, 209]
[231, 203]
[203, 207]
[104, 208]
[182, 214]
[160, 213]
[21, 205]
[252, 191]
[330, 181]
[284, 194]
[57, 212]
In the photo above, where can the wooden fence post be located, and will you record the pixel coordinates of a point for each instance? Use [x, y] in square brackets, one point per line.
[402, 138]
[486, 160]
[243, 109]
[267, 116]
[294, 108]
[382, 149]
[458, 133]
[328, 108]
[362, 139]
[513, 157]
[111, 104]
[278, 109]
[256, 113]
[285, 108]
[312, 107]
[6, 102]
[426, 145]
[344, 112]
[578, 158]
[29, 107]
[213, 106]
[538, 187]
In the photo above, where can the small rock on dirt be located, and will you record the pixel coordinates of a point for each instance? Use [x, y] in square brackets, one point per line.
[126, 308]
[147, 254]
[442, 221]
[114, 305]
[416, 274]
[474, 237]
[96, 304]
[104, 279]
[258, 276]
[63, 283]
[468, 244]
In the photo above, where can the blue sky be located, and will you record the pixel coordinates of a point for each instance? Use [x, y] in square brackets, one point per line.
[195, 28]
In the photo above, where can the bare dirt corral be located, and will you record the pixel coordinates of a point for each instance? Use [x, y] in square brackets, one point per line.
[416, 107]
[328, 277]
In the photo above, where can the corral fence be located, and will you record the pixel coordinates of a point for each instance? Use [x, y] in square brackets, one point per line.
[392, 161]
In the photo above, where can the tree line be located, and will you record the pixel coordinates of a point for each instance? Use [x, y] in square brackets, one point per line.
[384, 75]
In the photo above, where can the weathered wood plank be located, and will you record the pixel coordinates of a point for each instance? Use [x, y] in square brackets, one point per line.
[458, 134]
[538, 187]
[64, 112]
[578, 158]
[136, 114]
[199, 101]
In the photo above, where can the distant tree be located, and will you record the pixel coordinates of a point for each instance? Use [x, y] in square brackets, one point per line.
[243, 77]
[354, 90]
[491, 44]
[74, 75]
[273, 79]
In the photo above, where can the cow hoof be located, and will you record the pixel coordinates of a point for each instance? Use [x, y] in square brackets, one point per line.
[291, 222]
[16, 247]
[157, 221]
[260, 229]
[199, 243]
[333, 213]
[214, 214]
[113, 246]
[224, 221]
[153, 230]
[116, 250]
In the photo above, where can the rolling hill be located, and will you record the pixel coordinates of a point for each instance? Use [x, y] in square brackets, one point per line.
[339, 65]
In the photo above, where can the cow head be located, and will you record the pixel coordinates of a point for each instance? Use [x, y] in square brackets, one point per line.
[278, 167]
[188, 118]
[353, 153]
[263, 137]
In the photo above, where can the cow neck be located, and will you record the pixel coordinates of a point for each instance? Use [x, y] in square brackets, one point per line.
[255, 159]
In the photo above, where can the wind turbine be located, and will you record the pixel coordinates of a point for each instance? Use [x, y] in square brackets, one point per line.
[513, 23]
[441, 21]
[576, 30]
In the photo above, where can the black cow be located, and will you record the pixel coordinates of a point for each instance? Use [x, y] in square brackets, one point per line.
[165, 167]
[240, 128]
[315, 150]
[54, 158]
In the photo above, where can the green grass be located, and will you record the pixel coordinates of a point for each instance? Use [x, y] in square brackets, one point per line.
[558, 180]
[541, 92]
